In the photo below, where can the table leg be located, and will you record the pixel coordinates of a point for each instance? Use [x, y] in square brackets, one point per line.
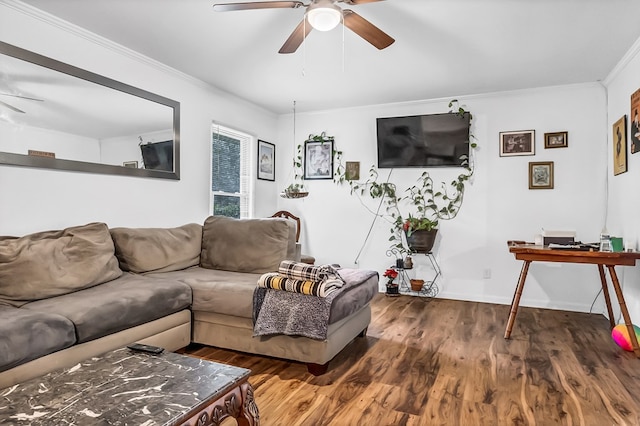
[238, 403]
[625, 312]
[605, 292]
[516, 298]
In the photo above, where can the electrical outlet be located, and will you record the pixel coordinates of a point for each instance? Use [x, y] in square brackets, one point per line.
[486, 274]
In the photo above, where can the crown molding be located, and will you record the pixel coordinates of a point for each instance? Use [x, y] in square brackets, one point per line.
[83, 33]
[633, 51]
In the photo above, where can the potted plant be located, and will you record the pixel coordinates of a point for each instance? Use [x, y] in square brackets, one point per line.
[392, 288]
[296, 190]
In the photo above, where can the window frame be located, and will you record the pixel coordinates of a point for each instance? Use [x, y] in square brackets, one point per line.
[247, 166]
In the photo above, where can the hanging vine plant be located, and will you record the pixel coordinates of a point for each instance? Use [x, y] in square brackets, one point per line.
[296, 189]
[419, 207]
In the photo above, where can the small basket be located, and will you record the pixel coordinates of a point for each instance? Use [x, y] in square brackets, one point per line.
[416, 285]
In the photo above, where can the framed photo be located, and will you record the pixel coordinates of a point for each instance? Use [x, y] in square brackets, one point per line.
[635, 122]
[130, 164]
[620, 146]
[556, 140]
[318, 160]
[541, 175]
[521, 142]
[266, 161]
[352, 170]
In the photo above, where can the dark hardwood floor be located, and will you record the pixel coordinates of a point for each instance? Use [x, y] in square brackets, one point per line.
[444, 362]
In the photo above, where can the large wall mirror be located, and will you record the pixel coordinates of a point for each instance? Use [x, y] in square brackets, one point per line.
[54, 115]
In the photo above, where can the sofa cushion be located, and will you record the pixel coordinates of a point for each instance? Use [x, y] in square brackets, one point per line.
[221, 292]
[117, 305]
[247, 245]
[52, 263]
[26, 335]
[142, 250]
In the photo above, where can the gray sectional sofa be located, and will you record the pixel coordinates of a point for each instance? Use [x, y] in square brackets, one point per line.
[71, 294]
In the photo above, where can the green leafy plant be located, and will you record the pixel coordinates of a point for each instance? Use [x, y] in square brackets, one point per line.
[419, 207]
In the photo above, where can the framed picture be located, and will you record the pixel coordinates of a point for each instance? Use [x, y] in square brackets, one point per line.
[266, 161]
[541, 175]
[352, 170]
[620, 146]
[318, 160]
[130, 164]
[521, 142]
[556, 140]
[635, 122]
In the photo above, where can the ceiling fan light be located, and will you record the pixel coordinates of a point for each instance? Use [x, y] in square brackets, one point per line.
[324, 18]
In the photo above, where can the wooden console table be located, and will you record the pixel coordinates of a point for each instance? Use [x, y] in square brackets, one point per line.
[530, 253]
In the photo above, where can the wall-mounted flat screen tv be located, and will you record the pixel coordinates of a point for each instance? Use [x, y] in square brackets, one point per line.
[434, 140]
[158, 156]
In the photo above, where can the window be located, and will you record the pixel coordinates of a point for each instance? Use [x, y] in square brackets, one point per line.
[230, 173]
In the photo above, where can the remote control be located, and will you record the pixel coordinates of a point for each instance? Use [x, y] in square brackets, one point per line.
[139, 347]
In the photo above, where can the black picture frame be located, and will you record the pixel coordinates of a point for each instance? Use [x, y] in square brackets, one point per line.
[266, 161]
[318, 159]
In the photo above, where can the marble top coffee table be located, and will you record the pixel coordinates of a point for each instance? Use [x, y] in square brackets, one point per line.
[124, 387]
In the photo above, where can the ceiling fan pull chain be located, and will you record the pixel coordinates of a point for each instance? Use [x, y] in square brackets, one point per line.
[342, 21]
[304, 47]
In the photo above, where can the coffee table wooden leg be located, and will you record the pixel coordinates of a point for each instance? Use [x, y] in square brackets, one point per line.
[237, 403]
[516, 298]
[249, 415]
[625, 312]
[605, 292]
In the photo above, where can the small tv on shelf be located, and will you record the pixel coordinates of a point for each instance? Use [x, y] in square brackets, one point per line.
[158, 156]
[433, 140]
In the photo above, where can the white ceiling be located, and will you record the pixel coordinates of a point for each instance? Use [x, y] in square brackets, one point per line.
[443, 48]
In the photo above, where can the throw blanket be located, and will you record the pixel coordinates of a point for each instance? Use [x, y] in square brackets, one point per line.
[297, 314]
[305, 272]
[277, 281]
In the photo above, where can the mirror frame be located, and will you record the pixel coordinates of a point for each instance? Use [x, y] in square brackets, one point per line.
[12, 159]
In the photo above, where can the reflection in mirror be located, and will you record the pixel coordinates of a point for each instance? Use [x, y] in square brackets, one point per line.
[54, 115]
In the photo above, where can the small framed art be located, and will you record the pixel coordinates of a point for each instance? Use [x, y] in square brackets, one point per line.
[352, 170]
[556, 140]
[266, 161]
[620, 146]
[541, 175]
[521, 142]
[318, 159]
[635, 122]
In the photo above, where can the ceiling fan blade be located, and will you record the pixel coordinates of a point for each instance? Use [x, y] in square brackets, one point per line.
[359, 1]
[12, 108]
[297, 37]
[257, 5]
[21, 97]
[366, 30]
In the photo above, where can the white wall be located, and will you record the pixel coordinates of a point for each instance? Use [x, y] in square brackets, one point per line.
[127, 148]
[63, 145]
[34, 200]
[624, 201]
[498, 205]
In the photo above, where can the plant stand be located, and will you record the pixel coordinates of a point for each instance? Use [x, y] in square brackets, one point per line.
[429, 289]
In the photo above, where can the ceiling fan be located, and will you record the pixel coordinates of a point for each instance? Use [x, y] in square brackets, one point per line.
[11, 107]
[322, 15]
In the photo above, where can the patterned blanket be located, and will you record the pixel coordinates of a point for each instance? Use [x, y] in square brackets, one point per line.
[278, 281]
[296, 314]
[303, 271]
